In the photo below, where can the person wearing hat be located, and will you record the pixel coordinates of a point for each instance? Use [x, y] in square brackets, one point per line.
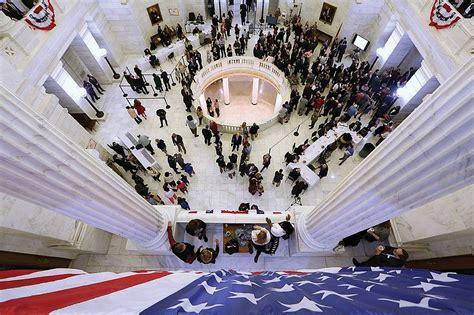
[283, 229]
[208, 255]
[260, 238]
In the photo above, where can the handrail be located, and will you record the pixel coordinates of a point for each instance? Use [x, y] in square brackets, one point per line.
[238, 65]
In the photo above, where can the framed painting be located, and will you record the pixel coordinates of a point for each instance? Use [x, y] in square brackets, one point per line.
[327, 13]
[154, 13]
[173, 12]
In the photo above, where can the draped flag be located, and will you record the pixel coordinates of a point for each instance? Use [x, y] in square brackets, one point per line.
[355, 290]
[42, 16]
[443, 14]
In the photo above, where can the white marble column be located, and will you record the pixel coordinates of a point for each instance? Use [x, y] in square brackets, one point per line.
[225, 88]
[422, 83]
[255, 85]
[429, 155]
[395, 49]
[41, 165]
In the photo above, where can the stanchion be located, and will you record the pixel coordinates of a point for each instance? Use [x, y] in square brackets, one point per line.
[98, 113]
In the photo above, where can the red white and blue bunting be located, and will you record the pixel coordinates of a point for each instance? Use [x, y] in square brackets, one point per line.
[443, 14]
[42, 16]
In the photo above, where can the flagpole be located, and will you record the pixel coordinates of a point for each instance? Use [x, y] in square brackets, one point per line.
[337, 34]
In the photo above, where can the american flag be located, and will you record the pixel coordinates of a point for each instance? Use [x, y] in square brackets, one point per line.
[355, 290]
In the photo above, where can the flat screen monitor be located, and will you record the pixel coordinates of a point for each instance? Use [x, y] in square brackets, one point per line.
[360, 42]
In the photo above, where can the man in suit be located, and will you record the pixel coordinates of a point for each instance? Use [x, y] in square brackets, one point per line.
[236, 141]
[207, 134]
[243, 13]
[385, 256]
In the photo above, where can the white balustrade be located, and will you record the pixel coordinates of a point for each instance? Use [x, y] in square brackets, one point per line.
[242, 65]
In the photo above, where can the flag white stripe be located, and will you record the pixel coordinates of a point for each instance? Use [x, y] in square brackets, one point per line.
[68, 283]
[134, 299]
[45, 273]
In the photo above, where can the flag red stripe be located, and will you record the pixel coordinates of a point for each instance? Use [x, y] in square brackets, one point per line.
[16, 273]
[32, 281]
[48, 302]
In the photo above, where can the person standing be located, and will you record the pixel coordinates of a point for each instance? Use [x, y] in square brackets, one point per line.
[188, 101]
[207, 134]
[178, 141]
[139, 108]
[183, 251]
[199, 114]
[198, 57]
[323, 170]
[131, 111]
[95, 83]
[117, 148]
[208, 255]
[197, 228]
[161, 113]
[129, 78]
[166, 80]
[347, 153]
[216, 107]
[267, 158]
[145, 142]
[214, 128]
[243, 13]
[236, 141]
[158, 83]
[172, 164]
[160, 144]
[247, 149]
[192, 124]
[90, 91]
[153, 173]
[277, 178]
[253, 130]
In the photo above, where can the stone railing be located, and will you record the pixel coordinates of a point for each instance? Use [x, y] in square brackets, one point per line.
[242, 65]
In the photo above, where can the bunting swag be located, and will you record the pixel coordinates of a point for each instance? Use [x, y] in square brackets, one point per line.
[443, 14]
[42, 16]
[354, 290]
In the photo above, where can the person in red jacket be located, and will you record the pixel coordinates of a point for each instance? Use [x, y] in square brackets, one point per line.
[183, 251]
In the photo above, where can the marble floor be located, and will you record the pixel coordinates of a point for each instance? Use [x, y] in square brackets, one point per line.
[209, 189]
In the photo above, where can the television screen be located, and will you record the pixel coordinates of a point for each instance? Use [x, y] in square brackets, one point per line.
[360, 42]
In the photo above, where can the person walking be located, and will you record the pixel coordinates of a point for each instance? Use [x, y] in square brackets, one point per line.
[192, 124]
[145, 142]
[207, 134]
[178, 141]
[161, 113]
[90, 91]
[95, 83]
[188, 168]
[267, 158]
[139, 108]
[131, 111]
[158, 83]
[188, 101]
[277, 178]
[236, 141]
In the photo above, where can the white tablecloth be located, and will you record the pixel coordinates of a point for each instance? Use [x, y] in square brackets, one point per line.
[142, 155]
[307, 174]
[317, 147]
[162, 53]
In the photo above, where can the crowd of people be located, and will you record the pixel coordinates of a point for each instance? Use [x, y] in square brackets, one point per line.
[354, 95]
